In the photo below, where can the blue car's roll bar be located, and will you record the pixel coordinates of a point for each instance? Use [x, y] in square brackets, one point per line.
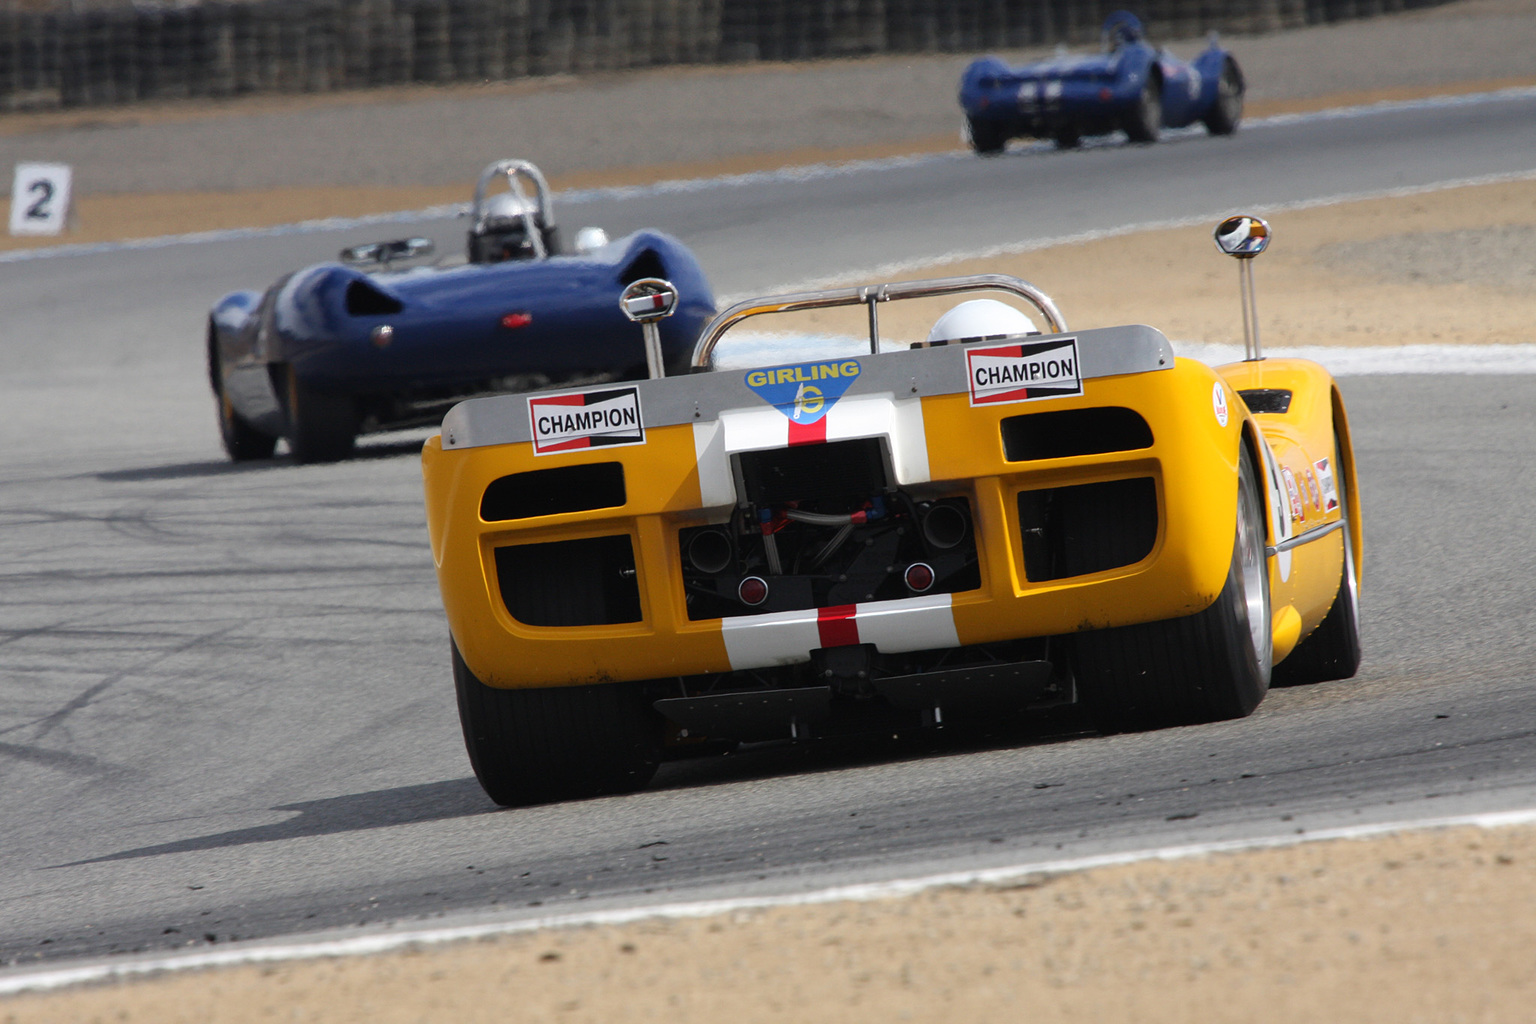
[515, 170]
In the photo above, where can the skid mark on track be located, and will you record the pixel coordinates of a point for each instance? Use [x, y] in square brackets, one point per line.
[60, 760]
[53, 720]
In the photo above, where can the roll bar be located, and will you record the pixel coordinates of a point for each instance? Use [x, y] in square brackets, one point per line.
[870, 295]
[515, 170]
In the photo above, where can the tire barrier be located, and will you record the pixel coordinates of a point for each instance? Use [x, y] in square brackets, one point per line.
[118, 55]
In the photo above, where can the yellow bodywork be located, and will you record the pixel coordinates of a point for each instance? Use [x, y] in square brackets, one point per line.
[1193, 460]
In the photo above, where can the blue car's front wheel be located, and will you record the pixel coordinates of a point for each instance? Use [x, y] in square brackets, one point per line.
[1144, 121]
[321, 427]
[987, 138]
[1227, 111]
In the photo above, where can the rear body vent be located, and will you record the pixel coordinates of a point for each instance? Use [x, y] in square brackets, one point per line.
[1272, 400]
[1087, 528]
[549, 492]
[363, 299]
[838, 472]
[587, 582]
[1074, 432]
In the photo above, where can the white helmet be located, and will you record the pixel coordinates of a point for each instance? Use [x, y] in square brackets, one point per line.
[505, 208]
[500, 231]
[979, 319]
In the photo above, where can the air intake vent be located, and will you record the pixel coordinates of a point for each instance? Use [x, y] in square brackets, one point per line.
[1073, 432]
[647, 264]
[363, 299]
[1267, 399]
[1087, 528]
[549, 492]
[588, 582]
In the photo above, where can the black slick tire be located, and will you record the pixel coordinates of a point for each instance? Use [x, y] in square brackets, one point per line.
[560, 743]
[1205, 667]
[987, 139]
[1144, 121]
[1068, 139]
[1227, 111]
[1332, 650]
[321, 427]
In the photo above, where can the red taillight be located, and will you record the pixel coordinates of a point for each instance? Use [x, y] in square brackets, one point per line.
[753, 590]
[918, 577]
[1106, 94]
[512, 321]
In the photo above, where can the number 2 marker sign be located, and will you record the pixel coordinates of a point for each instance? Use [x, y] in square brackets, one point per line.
[40, 199]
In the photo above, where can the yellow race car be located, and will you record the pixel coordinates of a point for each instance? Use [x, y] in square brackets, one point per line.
[990, 520]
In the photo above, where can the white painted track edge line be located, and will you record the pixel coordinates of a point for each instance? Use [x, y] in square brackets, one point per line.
[681, 185]
[384, 941]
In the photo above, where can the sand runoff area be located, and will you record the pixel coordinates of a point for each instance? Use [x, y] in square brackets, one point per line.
[1433, 926]
[1450, 266]
[1430, 926]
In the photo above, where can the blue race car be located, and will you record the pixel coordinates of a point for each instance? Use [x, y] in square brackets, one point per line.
[381, 342]
[1132, 87]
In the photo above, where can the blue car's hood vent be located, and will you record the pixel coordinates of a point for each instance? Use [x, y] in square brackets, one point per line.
[367, 299]
[647, 264]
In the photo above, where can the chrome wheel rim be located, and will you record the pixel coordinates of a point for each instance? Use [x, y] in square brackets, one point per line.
[1255, 596]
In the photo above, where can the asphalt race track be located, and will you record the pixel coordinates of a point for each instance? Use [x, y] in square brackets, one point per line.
[225, 708]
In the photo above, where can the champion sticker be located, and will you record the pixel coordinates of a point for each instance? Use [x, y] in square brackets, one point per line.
[589, 419]
[1219, 402]
[1326, 484]
[1298, 510]
[1025, 372]
[805, 392]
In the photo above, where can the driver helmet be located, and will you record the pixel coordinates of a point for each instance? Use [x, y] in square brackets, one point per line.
[1121, 29]
[501, 233]
[980, 320]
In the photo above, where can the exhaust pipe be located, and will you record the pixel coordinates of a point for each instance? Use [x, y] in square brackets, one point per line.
[710, 551]
[944, 526]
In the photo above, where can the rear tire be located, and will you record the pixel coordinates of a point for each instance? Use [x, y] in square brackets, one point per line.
[1227, 111]
[987, 139]
[1068, 140]
[537, 745]
[1145, 120]
[321, 427]
[1332, 650]
[1204, 667]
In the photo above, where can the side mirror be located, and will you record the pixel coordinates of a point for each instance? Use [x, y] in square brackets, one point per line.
[1243, 237]
[384, 252]
[589, 239]
[647, 302]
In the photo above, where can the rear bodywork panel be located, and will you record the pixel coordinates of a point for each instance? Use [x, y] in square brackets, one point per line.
[563, 527]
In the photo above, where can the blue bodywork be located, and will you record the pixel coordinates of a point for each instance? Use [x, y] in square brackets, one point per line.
[398, 348]
[1132, 87]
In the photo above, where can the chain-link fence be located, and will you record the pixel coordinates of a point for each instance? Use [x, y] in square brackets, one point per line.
[84, 55]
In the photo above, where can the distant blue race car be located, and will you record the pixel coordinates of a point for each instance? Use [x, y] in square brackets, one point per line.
[1132, 87]
[340, 349]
